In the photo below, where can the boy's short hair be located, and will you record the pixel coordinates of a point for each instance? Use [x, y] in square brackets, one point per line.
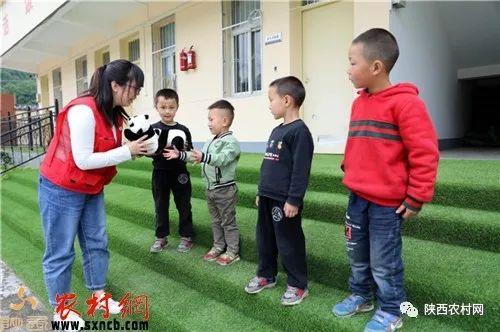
[379, 44]
[292, 86]
[226, 106]
[167, 94]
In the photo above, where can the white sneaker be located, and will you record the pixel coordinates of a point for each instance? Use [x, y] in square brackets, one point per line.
[73, 322]
[113, 306]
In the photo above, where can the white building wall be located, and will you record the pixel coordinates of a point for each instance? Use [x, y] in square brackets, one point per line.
[426, 59]
[198, 24]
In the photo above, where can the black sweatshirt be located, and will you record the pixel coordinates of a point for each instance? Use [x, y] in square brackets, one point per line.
[179, 136]
[285, 170]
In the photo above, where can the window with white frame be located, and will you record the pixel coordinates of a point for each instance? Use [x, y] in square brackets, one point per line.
[134, 51]
[81, 74]
[57, 85]
[164, 62]
[130, 48]
[242, 47]
[309, 2]
[105, 58]
[101, 57]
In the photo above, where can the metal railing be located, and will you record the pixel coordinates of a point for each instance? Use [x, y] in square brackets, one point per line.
[27, 136]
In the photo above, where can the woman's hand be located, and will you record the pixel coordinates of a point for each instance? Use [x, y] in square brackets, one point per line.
[138, 147]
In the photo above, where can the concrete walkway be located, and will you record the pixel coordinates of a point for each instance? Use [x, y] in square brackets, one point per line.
[17, 157]
[471, 153]
[20, 310]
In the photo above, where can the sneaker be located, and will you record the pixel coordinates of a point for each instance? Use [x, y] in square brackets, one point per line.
[185, 245]
[257, 284]
[212, 255]
[74, 322]
[114, 307]
[227, 259]
[293, 295]
[158, 245]
[352, 305]
[383, 321]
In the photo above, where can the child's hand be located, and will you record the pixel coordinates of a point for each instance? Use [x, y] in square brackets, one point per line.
[170, 153]
[196, 155]
[290, 210]
[407, 212]
[257, 201]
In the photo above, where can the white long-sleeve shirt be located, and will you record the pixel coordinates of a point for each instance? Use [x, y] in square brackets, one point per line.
[82, 131]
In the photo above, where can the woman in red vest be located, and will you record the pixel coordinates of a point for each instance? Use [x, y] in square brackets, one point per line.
[80, 160]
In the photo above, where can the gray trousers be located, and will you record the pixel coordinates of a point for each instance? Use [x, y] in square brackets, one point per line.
[222, 208]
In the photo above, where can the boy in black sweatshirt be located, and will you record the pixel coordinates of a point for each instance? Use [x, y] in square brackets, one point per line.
[171, 176]
[284, 176]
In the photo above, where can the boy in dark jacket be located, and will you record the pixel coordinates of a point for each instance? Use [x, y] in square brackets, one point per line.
[284, 176]
[171, 176]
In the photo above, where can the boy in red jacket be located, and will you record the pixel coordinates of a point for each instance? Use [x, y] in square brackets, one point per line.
[390, 167]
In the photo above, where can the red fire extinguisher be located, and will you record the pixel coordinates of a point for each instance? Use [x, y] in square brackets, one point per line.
[183, 59]
[191, 58]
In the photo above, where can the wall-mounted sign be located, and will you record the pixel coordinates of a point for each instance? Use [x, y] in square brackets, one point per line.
[273, 38]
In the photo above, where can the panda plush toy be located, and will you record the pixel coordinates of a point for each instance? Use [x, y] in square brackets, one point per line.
[140, 126]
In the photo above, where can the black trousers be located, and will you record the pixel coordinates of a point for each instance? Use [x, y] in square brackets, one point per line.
[277, 234]
[177, 181]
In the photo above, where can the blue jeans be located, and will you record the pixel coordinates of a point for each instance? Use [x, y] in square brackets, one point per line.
[66, 214]
[373, 235]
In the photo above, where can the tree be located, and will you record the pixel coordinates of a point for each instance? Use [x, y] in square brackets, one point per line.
[20, 84]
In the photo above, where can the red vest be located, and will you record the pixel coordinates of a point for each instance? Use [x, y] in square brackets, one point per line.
[59, 166]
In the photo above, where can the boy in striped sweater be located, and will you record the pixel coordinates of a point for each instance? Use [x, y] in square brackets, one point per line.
[390, 167]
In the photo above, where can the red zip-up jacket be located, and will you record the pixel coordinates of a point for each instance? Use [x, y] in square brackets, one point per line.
[391, 157]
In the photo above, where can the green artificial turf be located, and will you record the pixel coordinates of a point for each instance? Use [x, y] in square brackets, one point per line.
[212, 295]
[470, 184]
[453, 225]
[451, 251]
[458, 226]
[435, 272]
